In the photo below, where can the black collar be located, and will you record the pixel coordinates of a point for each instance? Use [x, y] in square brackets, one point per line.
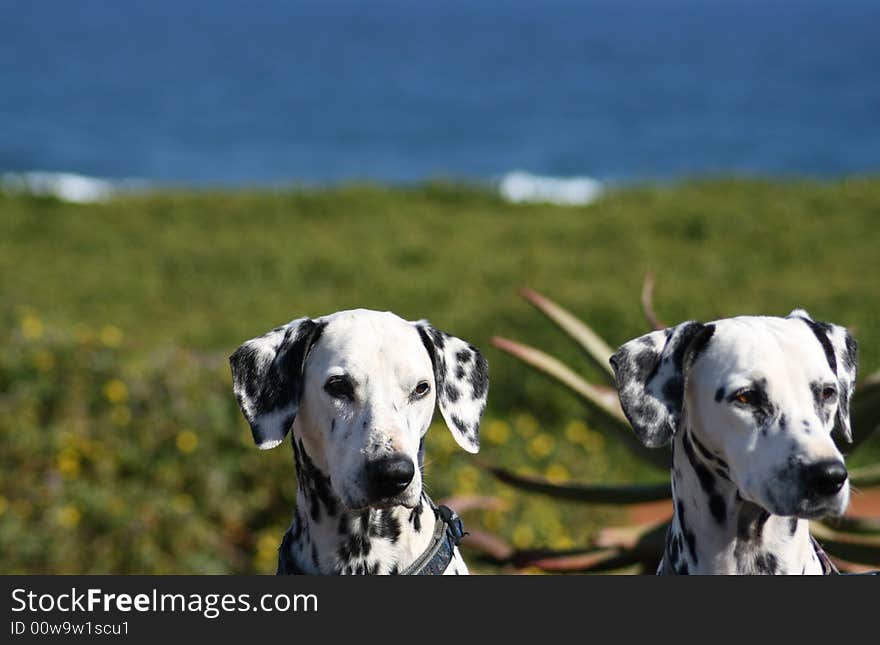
[828, 568]
[448, 531]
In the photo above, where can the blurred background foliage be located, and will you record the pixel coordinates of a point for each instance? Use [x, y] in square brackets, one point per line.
[122, 449]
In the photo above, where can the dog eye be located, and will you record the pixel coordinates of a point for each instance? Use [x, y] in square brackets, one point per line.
[828, 393]
[421, 389]
[747, 397]
[339, 387]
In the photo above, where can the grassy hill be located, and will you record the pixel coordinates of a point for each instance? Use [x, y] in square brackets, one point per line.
[153, 292]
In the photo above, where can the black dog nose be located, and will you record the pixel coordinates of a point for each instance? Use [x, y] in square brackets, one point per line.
[389, 476]
[825, 477]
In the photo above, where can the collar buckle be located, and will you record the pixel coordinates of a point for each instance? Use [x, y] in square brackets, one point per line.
[454, 525]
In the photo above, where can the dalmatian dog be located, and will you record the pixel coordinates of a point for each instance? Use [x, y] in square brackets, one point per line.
[749, 405]
[357, 391]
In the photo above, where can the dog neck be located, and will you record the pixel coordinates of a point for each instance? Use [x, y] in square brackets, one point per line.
[715, 531]
[328, 538]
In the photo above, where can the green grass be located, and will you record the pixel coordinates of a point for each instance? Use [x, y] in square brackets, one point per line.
[210, 270]
[194, 274]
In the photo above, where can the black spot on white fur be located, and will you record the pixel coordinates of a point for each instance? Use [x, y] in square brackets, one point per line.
[820, 405]
[841, 352]
[649, 373]
[267, 375]
[717, 506]
[461, 374]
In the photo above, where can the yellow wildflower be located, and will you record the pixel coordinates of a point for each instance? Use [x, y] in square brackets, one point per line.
[31, 326]
[497, 431]
[576, 430]
[110, 336]
[562, 542]
[187, 441]
[526, 425]
[116, 391]
[523, 536]
[68, 516]
[267, 548]
[491, 520]
[68, 464]
[541, 446]
[525, 471]
[593, 441]
[556, 473]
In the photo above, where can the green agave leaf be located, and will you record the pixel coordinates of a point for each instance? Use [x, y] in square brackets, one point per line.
[646, 548]
[865, 410]
[629, 537]
[865, 476]
[467, 503]
[600, 399]
[591, 494]
[860, 549]
[583, 562]
[648, 303]
[852, 524]
[492, 547]
[596, 348]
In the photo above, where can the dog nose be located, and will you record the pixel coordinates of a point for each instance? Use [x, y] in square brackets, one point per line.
[389, 476]
[825, 477]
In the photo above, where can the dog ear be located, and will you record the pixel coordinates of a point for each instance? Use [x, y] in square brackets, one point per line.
[842, 352]
[461, 375]
[650, 375]
[267, 378]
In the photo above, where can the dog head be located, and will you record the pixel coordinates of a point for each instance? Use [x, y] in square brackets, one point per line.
[361, 387]
[760, 393]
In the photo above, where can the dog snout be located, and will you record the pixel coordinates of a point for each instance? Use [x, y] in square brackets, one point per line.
[824, 477]
[389, 476]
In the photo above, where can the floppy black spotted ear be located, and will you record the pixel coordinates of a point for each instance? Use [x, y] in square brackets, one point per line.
[461, 374]
[650, 376]
[842, 352]
[267, 378]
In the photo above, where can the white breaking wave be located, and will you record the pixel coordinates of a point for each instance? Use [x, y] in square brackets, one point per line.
[67, 186]
[520, 186]
[517, 187]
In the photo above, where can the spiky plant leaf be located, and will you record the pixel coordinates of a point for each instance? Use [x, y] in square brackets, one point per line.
[648, 303]
[595, 348]
[645, 548]
[600, 399]
[590, 560]
[865, 410]
[862, 549]
[491, 547]
[847, 524]
[589, 493]
[865, 476]
[628, 537]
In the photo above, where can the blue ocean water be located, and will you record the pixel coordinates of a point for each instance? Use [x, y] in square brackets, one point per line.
[259, 92]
